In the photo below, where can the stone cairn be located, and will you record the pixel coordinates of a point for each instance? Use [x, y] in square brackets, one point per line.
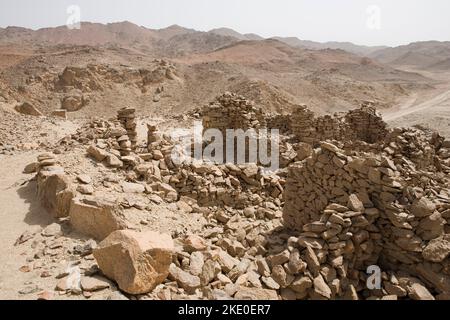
[356, 211]
[127, 119]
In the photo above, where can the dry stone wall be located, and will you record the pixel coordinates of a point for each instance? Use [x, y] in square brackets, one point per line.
[359, 209]
[362, 124]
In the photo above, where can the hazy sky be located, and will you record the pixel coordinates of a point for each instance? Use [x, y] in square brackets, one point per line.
[370, 22]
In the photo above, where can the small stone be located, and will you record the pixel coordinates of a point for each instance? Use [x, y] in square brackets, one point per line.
[85, 189]
[84, 178]
[355, 204]
[52, 230]
[129, 187]
[280, 258]
[94, 284]
[45, 295]
[31, 168]
[321, 287]
[184, 279]
[419, 292]
[422, 207]
[437, 249]
[196, 263]
[301, 284]
[194, 243]
[244, 293]
[270, 283]
[25, 269]
[210, 270]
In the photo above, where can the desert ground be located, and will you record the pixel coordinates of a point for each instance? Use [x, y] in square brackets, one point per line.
[93, 206]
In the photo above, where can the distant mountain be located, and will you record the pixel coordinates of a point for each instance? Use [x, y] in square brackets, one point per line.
[347, 46]
[428, 54]
[171, 41]
[175, 41]
[227, 32]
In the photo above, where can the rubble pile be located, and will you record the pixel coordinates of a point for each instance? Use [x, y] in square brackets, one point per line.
[351, 197]
[232, 185]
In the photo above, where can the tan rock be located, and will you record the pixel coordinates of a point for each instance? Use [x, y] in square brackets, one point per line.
[194, 243]
[28, 109]
[94, 284]
[138, 262]
[422, 207]
[419, 292]
[437, 249]
[184, 279]
[56, 194]
[245, 293]
[95, 217]
[97, 153]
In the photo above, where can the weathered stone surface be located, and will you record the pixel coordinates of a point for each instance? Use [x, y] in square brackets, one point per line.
[194, 243]
[94, 284]
[437, 249]
[422, 207]
[28, 109]
[129, 187]
[138, 262]
[184, 279]
[97, 153]
[55, 193]
[95, 217]
[419, 292]
[245, 293]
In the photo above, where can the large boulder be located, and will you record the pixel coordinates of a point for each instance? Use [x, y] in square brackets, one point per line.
[138, 262]
[96, 218]
[28, 109]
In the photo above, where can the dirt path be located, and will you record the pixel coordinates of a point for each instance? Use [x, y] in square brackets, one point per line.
[19, 212]
[413, 105]
[429, 109]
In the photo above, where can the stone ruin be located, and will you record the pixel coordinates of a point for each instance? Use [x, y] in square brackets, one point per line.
[358, 210]
[231, 111]
[362, 124]
[354, 194]
[127, 119]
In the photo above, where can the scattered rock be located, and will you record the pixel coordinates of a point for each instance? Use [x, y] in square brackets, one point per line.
[138, 262]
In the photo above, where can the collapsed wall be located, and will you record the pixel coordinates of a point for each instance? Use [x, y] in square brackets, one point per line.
[362, 209]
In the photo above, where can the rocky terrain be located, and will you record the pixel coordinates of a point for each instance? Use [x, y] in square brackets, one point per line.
[95, 205]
